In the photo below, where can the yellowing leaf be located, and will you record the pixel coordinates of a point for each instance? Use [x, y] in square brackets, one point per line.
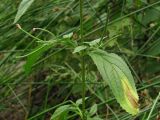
[131, 97]
[119, 78]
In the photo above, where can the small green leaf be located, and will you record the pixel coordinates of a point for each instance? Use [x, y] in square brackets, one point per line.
[79, 48]
[94, 42]
[24, 5]
[93, 109]
[79, 101]
[34, 56]
[60, 111]
[68, 35]
[119, 78]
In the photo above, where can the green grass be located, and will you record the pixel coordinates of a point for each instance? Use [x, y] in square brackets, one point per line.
[128, 29]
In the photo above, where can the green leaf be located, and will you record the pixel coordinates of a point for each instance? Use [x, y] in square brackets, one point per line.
[79, 48]
[68, 35]
[93, 109]
[94, 42]
[63, 116]
[24, 5]
[34, 56]
[79, 101]
[119, 78]
[62, 112]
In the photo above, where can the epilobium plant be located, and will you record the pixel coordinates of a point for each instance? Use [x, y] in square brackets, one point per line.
[112, 68]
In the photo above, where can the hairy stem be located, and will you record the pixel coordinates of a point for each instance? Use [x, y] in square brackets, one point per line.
[83, 61]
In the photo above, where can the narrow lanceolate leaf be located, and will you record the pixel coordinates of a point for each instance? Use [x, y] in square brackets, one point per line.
[119, 78]
[24, 5]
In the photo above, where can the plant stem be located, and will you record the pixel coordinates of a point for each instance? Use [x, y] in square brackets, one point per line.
[83, 61]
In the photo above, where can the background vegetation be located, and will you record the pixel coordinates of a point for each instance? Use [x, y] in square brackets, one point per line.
[127, 27]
